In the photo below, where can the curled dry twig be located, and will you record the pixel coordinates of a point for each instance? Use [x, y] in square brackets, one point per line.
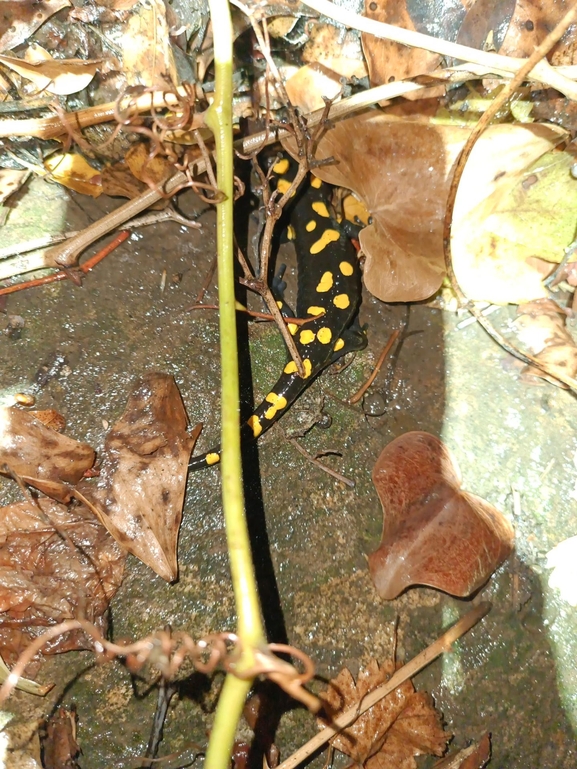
[167, 651]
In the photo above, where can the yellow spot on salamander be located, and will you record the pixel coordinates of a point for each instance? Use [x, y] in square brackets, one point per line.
[291, 368]
[281, 166]
[325, 283]
[316, 182]
[328, 236]
[279, 402]
[310, 226]
[283, 185]
[307, 336]
[290, 232]
[341, 301]
[292, 327]
[314, 310]
[339, 344]
[324, 335]
[321, 209]
[279, 304]
[212, 458]
[254, 423]
[346, 268]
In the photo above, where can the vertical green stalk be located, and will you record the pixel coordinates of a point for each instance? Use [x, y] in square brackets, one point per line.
[249, 624]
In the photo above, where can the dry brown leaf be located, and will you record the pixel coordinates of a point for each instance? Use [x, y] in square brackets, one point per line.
[475, 756]
[402, 170]
[49, 418]
[433, 533]
[531, 23]
[336, 49]
[149, 170]
[400, 726]
[46, 578]
[59, 747]
[40, 456]
[73, 171]
[19, 19]
[147, 57]
[140, 491]
[10, 182]
[388, 61]
[307, 87]
[541, 327]
[58, 76]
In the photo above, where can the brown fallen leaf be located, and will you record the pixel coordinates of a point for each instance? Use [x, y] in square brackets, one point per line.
[402, 725]
[475, 756]
[55, 564]
[20, 19]
[387, 60]
[147, 56]
[433, 533]
[335, 49]
[41, 456]
[10, 182]
[541, 327]
[59, 746]
[58, 76]
[402, 171]
[72, 170]
[140, 491]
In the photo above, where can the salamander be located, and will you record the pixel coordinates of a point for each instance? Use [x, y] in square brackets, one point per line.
[328, 292]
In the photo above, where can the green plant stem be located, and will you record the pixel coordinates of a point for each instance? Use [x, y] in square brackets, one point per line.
[249, 623]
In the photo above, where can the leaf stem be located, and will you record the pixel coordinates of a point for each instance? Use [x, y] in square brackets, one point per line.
[249, 624]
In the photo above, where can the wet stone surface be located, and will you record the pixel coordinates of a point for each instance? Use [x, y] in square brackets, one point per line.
[513, 675]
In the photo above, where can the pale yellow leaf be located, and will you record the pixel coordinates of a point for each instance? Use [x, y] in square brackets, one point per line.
[72, 170]
[57, 76]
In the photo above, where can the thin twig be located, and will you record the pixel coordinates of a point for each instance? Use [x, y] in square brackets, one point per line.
[442, 644]
[84, 268]
[495, 106]
[386, 350]
[317, 463]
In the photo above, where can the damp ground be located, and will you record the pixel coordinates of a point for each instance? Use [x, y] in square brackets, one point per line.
[513, 675]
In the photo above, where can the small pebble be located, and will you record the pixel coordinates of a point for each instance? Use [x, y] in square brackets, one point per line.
[23, 399]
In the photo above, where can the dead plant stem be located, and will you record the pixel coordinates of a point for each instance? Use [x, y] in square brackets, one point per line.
[441, 645]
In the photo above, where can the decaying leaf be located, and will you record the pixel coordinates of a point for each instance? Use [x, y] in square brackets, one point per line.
[11, 180]
[146, 53]
[386, 59]
[59, 746]
[541, 327]
[73, 171]
[19, 19]
[433, 533]
[336, 49]
[307, 87]
[401, 170]
[497, 242]
[475, 756]
[402, 725]
[58, 76]
[140, 491]
[55, 564]
[41, 456]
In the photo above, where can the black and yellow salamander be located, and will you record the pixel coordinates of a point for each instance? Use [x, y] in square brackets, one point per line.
[328, 292]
